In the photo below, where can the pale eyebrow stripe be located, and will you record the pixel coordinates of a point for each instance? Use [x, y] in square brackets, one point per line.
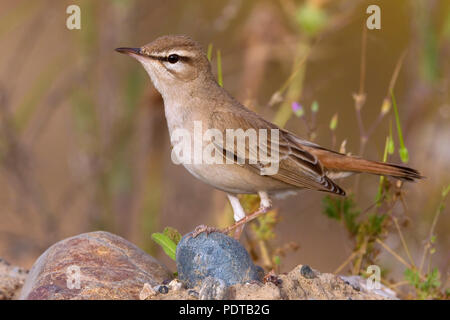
[164, 54]
[181, 53]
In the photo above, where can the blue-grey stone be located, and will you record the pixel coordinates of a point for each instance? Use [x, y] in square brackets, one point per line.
[214, 255]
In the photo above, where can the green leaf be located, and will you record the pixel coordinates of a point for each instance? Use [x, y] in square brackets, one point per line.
[342, 210]
[166, 243]
[334, 122]
[330, 208]
[432, 281]
[412, 276]
[209, 52]
[425, 288]
[375, 224]
[172, 234]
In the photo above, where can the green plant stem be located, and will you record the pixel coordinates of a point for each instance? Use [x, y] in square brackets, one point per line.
[219, 68]
[294, 86]
[403, 151]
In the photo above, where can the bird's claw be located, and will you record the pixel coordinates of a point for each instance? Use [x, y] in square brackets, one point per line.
[203, 228]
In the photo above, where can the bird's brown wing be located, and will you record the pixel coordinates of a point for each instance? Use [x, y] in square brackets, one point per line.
[297, 167]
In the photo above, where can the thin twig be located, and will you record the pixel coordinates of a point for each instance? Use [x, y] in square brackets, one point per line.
[403, 242]
[347, 261]
[391, 86]
[385, 246]
[433, 226]
[362, 74]
[360, 99]
[391, 286]
[397, 68]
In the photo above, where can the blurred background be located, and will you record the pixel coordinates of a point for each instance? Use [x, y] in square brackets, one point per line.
[83, 138]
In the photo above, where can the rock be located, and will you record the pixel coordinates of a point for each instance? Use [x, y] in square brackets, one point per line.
[192, 293]
[215, 255]
[307, 272]
[182, 294]
[97, 265]
[147, 292]
[213, 289]
[175, 285]
[12, 279]
[323, 286]
[163, 289]
[360, 284]
[292, 286]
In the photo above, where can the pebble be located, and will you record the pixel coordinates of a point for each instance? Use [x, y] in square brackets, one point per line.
[147, 292]
[307, 272]
[163, 289]
[193, 293]
[175, 285]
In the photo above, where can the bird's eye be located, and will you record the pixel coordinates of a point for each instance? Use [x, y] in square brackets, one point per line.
[173, 58]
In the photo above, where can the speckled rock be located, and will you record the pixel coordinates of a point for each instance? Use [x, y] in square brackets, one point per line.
[11, 280]
[290, 286]
[322, 286]
[215, 255]
[97, 265]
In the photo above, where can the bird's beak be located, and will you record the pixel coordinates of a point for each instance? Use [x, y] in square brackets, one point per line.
[130, 51]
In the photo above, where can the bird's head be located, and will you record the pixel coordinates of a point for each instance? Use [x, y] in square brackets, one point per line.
[172, 62]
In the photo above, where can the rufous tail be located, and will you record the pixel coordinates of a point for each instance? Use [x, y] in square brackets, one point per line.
[337, 162]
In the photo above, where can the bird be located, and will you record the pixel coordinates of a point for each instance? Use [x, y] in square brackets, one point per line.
[180, 70]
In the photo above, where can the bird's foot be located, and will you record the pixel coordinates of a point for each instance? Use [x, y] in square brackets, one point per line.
[203, 228]
[238, 225]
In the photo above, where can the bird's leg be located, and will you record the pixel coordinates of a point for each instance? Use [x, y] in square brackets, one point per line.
[240, 217]
[239, 214]
[264, 206]
[238, 231]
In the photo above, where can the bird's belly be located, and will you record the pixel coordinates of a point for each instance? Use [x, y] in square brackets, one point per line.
[233, 178]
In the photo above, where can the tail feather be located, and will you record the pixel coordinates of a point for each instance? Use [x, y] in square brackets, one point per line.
[337, 162]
